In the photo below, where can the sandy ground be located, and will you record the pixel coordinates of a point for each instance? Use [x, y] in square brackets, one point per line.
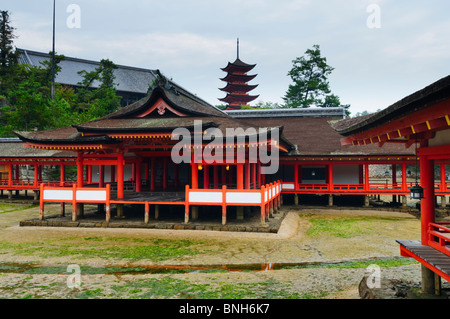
[290, 245]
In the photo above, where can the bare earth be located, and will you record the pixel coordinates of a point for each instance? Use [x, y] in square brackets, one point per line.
[291, 244]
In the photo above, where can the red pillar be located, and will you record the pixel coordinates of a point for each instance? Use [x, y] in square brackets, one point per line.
[295, 176]
[427, 203]
[330, 177]
[146, 171]
[138, 173]
[194, 176]
[443, 187]
[89, 177]
[36, 175]
[62, 175]
[120, 177]
[366, 176]
[113, 173]
[101, 176]
[10, 174]
[253, 180]
[394, 175]
[80, 170]
[240, 176]
[247, 175]
[404, 183]
[152, 174]
[258, 173]
[205, 176]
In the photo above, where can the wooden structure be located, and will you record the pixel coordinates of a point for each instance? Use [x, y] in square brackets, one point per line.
[421, 119]
[165, 134]
[237, 87]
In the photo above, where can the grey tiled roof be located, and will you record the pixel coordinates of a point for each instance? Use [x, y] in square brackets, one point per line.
[128, 79]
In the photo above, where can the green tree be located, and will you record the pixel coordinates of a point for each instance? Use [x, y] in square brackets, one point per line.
[103, 100]
[8, 57]
[310, 86]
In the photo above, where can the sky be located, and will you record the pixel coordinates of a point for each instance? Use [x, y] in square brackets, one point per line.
[381, 50]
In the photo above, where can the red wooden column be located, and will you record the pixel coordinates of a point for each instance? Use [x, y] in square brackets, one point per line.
[89, 174]
[113, 173]
[146, 171]
[443, 186]
[205, 176]
[258, 173]
[80, 169]
[152, 173]
[404, 183]
[253, 169]
[101, 176]
[394, 175]
[194, 176]
[428, 202]
[36, 176]
[138, 173]
[295, 176]
[240, 176]
[120, 175]
[10, 174]
[366, 176]
[62, 175]
[247, 175]
[330, 176]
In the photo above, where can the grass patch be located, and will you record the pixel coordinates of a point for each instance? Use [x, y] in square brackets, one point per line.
[7, 208]
[387, 262]
[107, 248]
[345, 227]
[167, 287]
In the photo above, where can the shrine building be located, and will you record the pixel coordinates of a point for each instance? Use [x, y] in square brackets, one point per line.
[171, 148]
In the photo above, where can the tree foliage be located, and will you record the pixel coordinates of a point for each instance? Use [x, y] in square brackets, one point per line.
[25, 91]
[310, 87]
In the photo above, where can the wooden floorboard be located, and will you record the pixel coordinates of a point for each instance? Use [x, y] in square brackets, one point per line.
[434, 257]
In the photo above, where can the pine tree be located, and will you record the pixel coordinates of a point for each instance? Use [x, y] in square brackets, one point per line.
[8, 56]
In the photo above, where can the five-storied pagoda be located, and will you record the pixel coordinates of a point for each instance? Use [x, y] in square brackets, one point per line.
[237, 87]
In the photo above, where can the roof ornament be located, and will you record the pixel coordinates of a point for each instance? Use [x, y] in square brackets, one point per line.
[164, 82]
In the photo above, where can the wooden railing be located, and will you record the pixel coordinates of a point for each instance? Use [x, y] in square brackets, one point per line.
[357, 188]
[267, 198]
[439, 237]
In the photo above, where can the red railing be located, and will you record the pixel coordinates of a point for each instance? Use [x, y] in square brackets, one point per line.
[439, 237]
[358, 188]
[27, 184]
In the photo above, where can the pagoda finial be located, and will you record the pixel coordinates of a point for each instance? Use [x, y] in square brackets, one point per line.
[238, 48]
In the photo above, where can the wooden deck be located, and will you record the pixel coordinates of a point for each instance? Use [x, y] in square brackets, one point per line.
[428, 256]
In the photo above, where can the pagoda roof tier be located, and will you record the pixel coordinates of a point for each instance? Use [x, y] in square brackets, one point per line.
[232, 87]
[238, 99]
[238, 78]
[238, 66]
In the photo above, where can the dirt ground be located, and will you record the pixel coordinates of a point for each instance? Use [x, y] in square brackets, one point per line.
[373, 239]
